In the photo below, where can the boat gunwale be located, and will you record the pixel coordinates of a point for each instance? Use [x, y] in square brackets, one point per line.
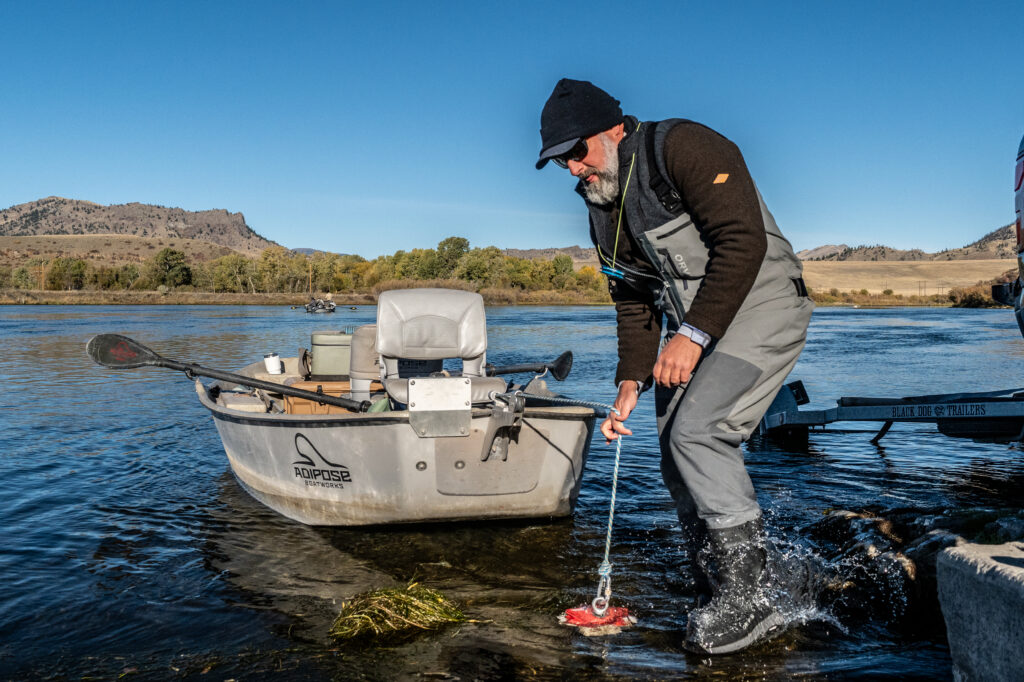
[566, 413]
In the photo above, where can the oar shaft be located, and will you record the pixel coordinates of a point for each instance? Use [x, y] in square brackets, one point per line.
[516, 369]
[559, 368]
[199, 370]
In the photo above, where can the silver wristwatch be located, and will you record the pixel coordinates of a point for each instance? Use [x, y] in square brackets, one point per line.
[694, 334]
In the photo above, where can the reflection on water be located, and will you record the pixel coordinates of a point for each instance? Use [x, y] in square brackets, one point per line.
[130, 547]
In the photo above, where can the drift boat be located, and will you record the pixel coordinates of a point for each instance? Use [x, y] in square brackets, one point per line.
[402, 440]
[319, 305]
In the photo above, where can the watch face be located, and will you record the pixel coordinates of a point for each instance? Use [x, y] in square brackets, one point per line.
[695, 335]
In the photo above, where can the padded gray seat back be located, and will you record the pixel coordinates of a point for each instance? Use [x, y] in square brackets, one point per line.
[365, 364]
[433, 324]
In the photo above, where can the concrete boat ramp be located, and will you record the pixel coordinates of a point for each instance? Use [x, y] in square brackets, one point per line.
[981, 590]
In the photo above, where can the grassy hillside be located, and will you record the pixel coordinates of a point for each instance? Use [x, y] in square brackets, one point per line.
[903, 277]
[107, 249]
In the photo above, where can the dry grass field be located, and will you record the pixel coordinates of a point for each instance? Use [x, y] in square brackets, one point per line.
[104, 249]
[903, 277]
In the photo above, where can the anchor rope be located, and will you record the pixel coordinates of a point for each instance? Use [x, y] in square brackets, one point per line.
[604, 571]
[600, 603]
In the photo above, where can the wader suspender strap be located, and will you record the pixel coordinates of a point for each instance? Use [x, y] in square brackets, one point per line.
[660, 185]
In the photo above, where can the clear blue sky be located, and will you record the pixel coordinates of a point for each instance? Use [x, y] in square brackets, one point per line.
[369, 127]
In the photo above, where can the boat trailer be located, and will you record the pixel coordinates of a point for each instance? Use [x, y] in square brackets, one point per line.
[996, 416]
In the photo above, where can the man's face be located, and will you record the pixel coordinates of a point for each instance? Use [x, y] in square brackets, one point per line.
[599, 169]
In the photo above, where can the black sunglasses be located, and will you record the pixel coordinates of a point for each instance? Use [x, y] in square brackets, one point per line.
[577, 153]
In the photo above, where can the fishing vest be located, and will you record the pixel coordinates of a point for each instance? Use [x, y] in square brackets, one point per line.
[671, 242]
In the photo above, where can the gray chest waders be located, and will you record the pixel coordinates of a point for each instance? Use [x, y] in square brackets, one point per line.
[702, 425]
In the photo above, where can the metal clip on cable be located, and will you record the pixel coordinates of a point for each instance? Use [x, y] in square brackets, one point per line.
[604, 590]
[612, 272]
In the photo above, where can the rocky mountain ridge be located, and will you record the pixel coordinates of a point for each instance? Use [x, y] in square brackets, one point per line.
[60, 216]
[997, 244]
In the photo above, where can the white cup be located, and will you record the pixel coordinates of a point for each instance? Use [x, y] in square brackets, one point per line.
[273, 363]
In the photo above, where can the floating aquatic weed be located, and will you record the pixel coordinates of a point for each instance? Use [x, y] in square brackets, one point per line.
[394, 611]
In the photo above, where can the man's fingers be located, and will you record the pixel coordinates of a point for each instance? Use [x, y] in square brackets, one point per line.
[677, 361]
[665, 375]
[659, 373]
[611, 433]
[611, 428]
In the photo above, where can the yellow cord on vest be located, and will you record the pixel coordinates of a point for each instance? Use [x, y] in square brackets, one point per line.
[622, 209]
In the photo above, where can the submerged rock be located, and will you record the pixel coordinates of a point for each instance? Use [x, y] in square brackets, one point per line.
[1006, 529]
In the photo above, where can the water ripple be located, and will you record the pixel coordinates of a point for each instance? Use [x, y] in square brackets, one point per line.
[129, 543]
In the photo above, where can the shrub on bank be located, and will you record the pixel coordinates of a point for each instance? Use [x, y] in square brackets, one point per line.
[978, 296]
[864, 298]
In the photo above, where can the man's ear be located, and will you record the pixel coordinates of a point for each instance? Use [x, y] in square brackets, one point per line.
[617, 133]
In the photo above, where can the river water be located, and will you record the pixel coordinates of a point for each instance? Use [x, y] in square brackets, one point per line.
[128, 547]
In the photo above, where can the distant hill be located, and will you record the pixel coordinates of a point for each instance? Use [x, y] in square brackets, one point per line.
[822, 252]
[1001, 243]
[581, 256]
[998, 244]
[305, 251]
[59, 216]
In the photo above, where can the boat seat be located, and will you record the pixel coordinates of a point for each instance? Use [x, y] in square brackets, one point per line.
[364, 366]
[433, 325]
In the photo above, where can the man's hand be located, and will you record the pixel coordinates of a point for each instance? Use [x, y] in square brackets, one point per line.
[625, 402]
[676, 361]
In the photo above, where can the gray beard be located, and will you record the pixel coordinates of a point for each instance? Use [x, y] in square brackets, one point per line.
[606, 189]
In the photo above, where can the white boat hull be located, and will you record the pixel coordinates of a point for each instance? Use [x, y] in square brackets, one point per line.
[363, 469]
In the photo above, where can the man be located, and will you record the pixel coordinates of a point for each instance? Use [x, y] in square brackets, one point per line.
[682, 232]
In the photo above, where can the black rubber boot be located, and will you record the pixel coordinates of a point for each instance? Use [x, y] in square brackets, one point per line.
[740, 613]
[701, 569]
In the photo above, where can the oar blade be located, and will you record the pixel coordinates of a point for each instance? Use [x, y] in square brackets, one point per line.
[120, 352]
[562, 365]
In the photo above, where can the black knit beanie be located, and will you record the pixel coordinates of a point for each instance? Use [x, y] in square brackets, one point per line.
[575, 109]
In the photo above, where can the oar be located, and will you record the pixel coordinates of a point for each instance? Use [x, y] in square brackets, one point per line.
[120, 352]
[559, 368]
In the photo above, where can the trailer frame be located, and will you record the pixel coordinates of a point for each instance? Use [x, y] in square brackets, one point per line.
[996, 416]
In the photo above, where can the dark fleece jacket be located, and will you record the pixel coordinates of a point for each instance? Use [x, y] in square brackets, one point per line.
[718, 193]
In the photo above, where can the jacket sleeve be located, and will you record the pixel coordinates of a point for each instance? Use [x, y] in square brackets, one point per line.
[719, 194]
[639, 332]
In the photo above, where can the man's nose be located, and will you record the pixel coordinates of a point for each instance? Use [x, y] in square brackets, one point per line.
[575, 167]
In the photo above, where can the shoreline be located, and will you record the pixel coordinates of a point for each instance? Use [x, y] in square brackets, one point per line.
[122, 297]
[543, 298]
[975, 297]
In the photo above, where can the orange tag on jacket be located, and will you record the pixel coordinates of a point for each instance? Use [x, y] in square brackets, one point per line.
[721, 178]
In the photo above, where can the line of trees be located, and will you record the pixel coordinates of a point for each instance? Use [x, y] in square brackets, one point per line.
[279, 270]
